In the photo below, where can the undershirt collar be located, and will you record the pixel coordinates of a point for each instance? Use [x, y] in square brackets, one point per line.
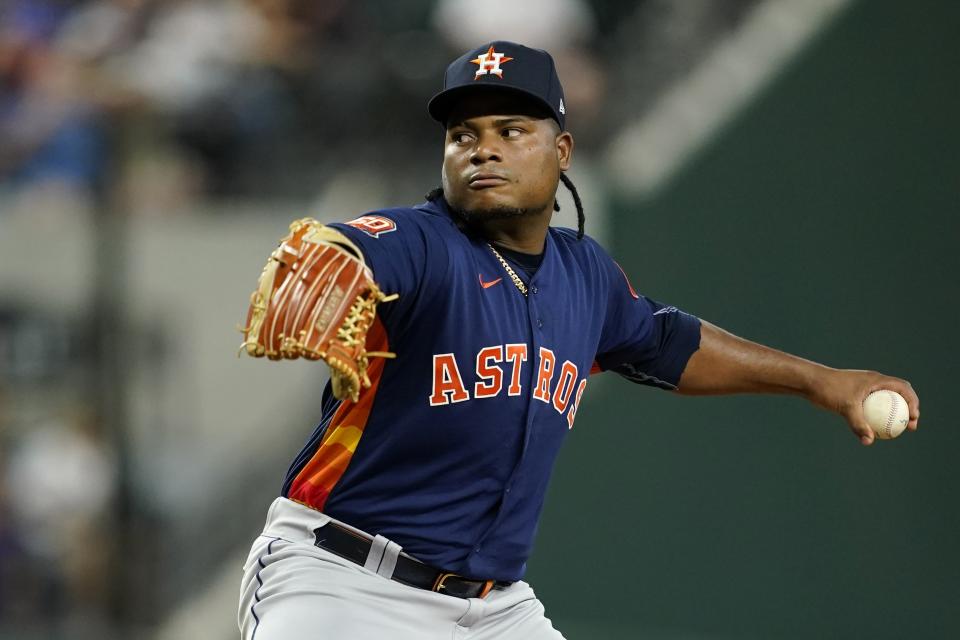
[526, 262]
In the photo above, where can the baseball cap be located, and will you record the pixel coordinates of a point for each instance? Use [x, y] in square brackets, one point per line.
[501, 66]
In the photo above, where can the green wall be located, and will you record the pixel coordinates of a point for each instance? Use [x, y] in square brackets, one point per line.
[822, 221]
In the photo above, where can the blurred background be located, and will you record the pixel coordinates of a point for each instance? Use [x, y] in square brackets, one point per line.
[787, 169]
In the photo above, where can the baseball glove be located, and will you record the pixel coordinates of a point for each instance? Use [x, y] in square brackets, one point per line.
[316, 299]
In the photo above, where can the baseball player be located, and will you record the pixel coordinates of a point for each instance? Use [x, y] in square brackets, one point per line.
[461, 334]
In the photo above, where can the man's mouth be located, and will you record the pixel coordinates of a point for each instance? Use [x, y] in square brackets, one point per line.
[484, 180]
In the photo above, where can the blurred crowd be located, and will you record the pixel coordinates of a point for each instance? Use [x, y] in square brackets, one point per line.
[58, 483]
[162, 101]
[150, 107]
[170, 98]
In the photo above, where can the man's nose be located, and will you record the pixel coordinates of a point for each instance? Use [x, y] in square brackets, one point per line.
[486, 150]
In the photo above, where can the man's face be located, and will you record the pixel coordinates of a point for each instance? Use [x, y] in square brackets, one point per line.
[502, 157]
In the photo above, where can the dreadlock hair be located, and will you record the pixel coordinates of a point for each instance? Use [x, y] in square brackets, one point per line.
[576, 201]
[437, 193]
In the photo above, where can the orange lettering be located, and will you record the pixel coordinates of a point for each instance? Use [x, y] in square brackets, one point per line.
[491, 375]
[544, 375]
[517, 354]
[576, 404]
[568, 378]
[447, 383]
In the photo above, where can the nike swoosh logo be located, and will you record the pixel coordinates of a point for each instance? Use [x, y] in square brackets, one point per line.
[487, 285]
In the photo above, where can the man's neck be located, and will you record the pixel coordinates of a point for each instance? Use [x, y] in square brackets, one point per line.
[526, 235]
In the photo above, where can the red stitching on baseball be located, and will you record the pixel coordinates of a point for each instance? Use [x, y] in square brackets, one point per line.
[894, 404]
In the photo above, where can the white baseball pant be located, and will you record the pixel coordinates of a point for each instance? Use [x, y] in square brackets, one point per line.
[293, 590]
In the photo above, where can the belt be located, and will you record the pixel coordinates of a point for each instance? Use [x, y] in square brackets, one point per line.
[355, 547]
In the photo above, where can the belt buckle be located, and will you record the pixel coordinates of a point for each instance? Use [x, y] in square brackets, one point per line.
[442, 578]
[487, 586]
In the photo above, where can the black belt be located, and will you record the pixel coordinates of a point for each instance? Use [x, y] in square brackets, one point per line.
[355, 547]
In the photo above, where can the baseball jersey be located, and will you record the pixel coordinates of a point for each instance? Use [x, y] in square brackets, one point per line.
[450, 450]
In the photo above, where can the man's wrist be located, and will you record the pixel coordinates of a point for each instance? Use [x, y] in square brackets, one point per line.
[816, 383]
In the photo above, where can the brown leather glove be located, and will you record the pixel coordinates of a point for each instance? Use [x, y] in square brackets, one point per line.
[316, 299]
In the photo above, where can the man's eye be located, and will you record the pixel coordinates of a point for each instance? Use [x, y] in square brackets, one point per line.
[512, 132]
[460, 138]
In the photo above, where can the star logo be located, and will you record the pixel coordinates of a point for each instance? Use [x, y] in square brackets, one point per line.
[490, 62]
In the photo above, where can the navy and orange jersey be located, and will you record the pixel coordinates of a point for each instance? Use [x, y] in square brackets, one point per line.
[450, 450]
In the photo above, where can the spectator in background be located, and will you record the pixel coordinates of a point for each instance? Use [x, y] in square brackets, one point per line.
[226, 88]
[232, 82]
[61, 482]
[51, 133]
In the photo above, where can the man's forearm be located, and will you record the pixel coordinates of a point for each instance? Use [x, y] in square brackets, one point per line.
[725, 363]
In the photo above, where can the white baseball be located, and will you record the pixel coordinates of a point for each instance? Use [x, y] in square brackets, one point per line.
[887, 413]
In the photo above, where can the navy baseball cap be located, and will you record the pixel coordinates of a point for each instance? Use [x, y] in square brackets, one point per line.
[501, 66]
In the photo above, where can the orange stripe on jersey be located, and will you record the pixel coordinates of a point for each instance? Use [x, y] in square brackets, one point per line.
[629, 286]
[316, 480]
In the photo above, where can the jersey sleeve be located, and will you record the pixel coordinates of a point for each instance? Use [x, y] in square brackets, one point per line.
[643, 340]
[401, 252]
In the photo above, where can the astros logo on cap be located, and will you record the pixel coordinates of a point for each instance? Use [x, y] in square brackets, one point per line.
[490, 63]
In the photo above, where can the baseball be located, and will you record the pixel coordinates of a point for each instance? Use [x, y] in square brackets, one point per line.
[887, 413]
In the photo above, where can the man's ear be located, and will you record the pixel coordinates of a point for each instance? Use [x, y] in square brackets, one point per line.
[565, 150]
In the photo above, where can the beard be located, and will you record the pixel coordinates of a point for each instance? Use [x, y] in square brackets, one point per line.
[479, 215]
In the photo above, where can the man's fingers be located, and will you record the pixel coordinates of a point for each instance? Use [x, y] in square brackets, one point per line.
[905, 389]
[860, 428]
[913, 401]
